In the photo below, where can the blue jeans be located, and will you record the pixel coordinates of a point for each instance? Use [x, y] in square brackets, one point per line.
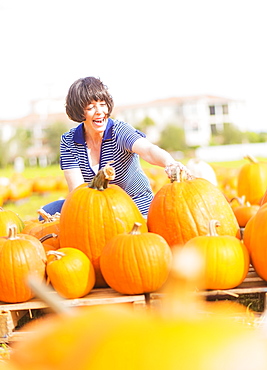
[53, 207]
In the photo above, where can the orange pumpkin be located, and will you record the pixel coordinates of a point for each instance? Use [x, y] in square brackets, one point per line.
[94, 213]
[264, 198]
[44, 184]
[136, 263]
[252, 180]
[182, 210]
[49, 226]
[8, 218]
[70, 272]
[20, 255]
[226, 259]
[244, 211]
[255, 239]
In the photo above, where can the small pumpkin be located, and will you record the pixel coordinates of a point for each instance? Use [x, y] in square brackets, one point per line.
[135, 262]
[8, 218]
[70, 272]
[244, 211]
[50, 225]
[252, 180]
[20, 255]
[226, 259]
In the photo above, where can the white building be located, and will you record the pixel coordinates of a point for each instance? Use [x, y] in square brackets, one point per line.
[199, 116]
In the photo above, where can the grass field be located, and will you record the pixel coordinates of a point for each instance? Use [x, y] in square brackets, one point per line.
[27, 208]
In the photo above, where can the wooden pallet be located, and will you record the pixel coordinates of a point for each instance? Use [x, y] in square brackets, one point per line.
[12, 312]
[252, 284]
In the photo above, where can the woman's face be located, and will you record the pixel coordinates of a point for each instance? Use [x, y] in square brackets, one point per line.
[96, 114]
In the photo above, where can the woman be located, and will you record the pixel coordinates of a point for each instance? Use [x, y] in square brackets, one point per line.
[99, 139]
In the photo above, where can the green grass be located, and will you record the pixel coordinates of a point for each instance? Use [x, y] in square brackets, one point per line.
[27, 208]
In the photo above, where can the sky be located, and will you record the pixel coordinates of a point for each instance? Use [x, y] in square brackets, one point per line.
[142, 50]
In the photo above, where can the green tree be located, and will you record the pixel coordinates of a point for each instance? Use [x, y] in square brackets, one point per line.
[172, 138]
[145, 124]
[4, 149]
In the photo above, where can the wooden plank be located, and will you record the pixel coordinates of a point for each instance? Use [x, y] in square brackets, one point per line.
[252, 284]
[95, 297]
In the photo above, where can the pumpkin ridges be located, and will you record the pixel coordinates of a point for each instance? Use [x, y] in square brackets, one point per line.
[252, 180]
[90, 217]
[255, 239]
[19, 256]
[187, 211]
[136, 263]
[226, 259]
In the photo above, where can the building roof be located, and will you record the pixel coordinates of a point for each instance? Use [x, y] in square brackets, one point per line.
[212, 99]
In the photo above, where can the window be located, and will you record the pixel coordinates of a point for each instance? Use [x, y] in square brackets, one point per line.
[212, 110]
[213, 129]
[225, 109]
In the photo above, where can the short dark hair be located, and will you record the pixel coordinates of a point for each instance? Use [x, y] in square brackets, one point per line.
[82, 92]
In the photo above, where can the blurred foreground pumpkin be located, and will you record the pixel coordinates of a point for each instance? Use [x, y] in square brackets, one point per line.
[117, 337]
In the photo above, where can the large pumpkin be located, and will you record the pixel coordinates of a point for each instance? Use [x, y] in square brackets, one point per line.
[94, 213]
[136, 263]
[255, 239]
[8, 218]
[226, 259]
[252, 180]
[20, 255]
[182, 210]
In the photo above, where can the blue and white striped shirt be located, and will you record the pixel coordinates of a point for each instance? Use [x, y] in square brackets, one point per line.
[117, 143]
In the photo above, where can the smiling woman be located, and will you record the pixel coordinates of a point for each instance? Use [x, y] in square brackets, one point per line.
[99, 140]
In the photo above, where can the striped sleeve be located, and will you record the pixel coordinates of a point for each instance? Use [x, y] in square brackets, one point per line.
[126, 135]
[67, 157]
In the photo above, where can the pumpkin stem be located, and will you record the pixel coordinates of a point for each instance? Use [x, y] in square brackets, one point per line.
[102, 178]
[58, 255]
[48, 236]
[212, 227]
[47, 217]
[178, 175]
[136, 228]
[240, 200]
[12, 232]
[251, 158]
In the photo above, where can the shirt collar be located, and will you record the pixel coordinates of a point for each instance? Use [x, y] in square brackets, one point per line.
[79, 134]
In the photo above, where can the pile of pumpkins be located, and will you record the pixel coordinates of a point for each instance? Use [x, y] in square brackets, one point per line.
[100, 239]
